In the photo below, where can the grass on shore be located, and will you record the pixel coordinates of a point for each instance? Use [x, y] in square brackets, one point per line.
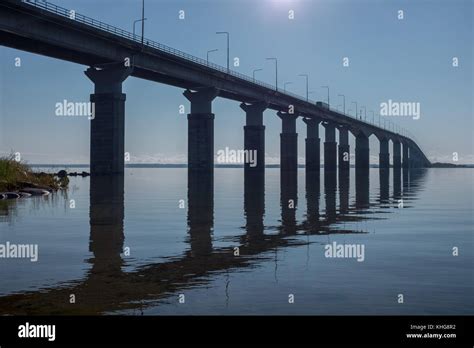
[16, 175]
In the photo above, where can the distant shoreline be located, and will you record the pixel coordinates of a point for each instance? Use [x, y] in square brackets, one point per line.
[171, 165]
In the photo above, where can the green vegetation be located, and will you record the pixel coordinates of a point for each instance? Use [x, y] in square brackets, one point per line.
[16, 175]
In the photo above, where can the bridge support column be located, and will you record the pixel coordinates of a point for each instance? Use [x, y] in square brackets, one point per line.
[362, 152]
[384, 155]
[288, 143]
[397, 154]
[415, 158]
[312, 145]
[344, 154]
[107, 143]
[254, 135]
[330, 147]
[406, 158]
[201, 130]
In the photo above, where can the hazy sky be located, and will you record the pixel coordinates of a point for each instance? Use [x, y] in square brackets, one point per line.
[407, 60]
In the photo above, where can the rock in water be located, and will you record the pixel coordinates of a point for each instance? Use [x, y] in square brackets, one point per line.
[11, 195]
[62, 174]
[35, 191]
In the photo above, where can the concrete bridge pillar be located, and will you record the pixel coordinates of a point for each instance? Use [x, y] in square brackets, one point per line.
[397, 154]
[107, 143]
[330, 147]
[415, 158]
[406, 158]
[344, 154]
[201, 130]
[254, 135]
[362, 151]
[288, 142]
[312, 145]
[384, 155]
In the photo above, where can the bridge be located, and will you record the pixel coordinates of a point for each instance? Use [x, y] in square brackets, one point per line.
[113, 55]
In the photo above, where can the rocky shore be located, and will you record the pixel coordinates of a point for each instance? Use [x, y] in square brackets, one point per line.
[17, 180]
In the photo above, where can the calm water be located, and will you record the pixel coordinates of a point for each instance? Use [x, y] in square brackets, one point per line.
[181, 240]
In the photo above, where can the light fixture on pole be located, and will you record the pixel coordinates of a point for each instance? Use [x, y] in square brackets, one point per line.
[355, 108]
[228, 58]
[276, 71]
[306, 76]
[210, 51]
[344, 101]
[328, 92]
[253, 73]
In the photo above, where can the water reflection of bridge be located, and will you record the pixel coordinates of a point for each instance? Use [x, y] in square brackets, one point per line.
[108, 288]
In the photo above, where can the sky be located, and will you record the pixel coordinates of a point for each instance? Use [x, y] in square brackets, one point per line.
[404, 60]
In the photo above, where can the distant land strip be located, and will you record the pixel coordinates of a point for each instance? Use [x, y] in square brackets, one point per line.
[183, 165]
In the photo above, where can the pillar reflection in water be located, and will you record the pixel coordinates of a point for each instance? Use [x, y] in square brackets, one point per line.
[106, 214]
[312, 200]
[362, 188]
[397, 185]
[406, 180]
[289, 199]
[384, 182]
[200, 211]
[344, 182]
[330, 187]
[254, 204]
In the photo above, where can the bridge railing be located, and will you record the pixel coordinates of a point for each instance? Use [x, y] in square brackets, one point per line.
[74, 16]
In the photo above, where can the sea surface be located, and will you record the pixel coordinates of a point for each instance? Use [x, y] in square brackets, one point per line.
[157, 241]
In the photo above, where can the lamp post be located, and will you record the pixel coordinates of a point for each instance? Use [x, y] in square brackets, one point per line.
[143, 20]
[344, 101]
[328, 92]
[228, 58]
[306, 76]
[210, 51]
[134, 24]
[365, 113]
[355, 107]
[253, 73]
[276, 71]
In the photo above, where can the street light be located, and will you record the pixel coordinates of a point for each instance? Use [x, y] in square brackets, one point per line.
[210, 51]
[226, 33]
[134, 24]
[365, 113]
[328, 92]
[306, 76]
[355, 107]
[253, 73]
[276, 71]
[143, 19]
[373, 116]
[344, 101]
[284, 85]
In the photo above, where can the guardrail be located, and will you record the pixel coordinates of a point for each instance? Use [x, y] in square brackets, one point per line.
[74, 16]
